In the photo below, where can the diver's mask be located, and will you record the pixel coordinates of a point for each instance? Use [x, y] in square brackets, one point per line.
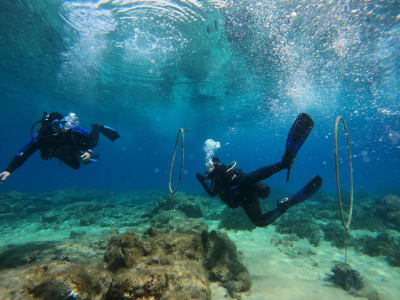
[71, 120]
[58, 125]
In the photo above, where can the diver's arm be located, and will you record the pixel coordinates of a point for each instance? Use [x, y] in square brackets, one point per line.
[210, 191]
[23, 155]
[84, 139]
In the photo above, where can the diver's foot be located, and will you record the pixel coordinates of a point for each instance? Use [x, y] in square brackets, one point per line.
[306, 192]
[283, 203]
[108, 132]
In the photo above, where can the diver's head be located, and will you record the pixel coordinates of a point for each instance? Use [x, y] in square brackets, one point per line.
[55, 121]
[215, 160]
[210, 164]
[58, 125]
[71, 120]
[47, 122]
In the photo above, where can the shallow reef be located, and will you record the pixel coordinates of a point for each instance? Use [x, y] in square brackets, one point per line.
[170, 254]
[300, 224]
[78, 244]
[381, 245]
[161, 266]
[235, 219]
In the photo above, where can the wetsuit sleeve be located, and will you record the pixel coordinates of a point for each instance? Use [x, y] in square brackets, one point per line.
[84, 139]
[208, 188]
[30, 147]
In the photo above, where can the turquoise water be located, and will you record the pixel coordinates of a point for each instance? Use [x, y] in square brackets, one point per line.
[238, 72]
[235, 72]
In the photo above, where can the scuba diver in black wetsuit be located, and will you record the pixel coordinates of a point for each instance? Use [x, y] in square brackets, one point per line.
[61, 138]
[236, 188]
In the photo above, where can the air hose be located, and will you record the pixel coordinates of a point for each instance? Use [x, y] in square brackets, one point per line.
[346, 224]
[171, 190]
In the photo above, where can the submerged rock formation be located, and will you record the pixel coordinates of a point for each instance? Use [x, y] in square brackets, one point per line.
[165, 266]
[174, 265]
[158, 266]
[222, 263]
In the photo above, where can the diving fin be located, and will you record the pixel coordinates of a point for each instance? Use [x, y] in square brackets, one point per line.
[109, 133]
[306, 192]
[298, 134]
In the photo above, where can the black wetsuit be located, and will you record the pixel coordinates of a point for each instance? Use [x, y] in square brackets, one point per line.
[67, 146]
[236, 188]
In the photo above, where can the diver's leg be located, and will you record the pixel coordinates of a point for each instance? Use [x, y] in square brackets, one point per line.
[108, 132]
[253, 211]
[261, 174]
[94, 134]
[306, 192]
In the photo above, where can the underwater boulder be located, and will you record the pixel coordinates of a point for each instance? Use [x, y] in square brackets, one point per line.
[235, 219]
[173, 266]
[56, 280]
[168, 266]
[191, 210]
[222, 263]
[123, 251]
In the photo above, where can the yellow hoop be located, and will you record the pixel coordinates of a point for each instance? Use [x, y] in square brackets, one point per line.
[171, 190]
[346, 225]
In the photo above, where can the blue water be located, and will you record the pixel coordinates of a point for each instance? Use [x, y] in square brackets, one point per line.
[237, 72]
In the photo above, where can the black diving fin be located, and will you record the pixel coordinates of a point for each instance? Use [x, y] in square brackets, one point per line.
[109, 133]
[298, 134]
[306, 192]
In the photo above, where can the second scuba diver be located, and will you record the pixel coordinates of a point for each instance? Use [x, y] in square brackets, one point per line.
[236, 188]
[62, 138]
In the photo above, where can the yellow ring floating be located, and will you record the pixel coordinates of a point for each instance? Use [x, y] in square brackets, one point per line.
[345, 224]
[171, 190]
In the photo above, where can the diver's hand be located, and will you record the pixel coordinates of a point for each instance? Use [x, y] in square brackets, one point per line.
[200, 177]
[3, 176]
[85, 157]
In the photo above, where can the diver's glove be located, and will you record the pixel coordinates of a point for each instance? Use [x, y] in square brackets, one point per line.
[200, 177]
[4, 175]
